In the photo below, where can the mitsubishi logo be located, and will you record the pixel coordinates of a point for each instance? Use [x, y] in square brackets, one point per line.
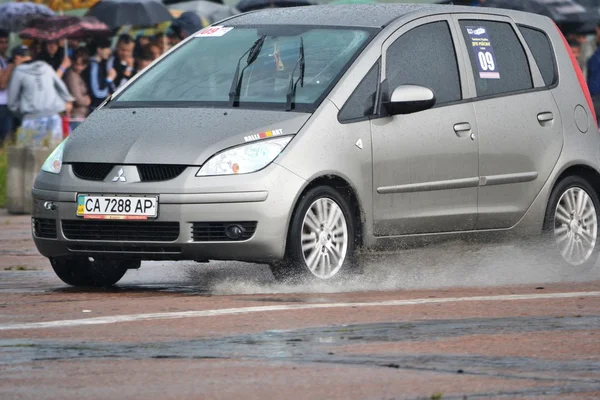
[120, 176]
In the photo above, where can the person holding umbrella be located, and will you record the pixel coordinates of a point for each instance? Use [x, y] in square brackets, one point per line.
[54, 29]
[54, 55]
[37, 95]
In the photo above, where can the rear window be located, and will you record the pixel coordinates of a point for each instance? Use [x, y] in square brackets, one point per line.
[541, 48]
[497, 57]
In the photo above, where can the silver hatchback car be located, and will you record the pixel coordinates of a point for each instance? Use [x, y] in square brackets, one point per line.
[295, 137]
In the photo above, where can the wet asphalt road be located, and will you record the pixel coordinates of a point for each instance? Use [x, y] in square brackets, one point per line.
[453, 323]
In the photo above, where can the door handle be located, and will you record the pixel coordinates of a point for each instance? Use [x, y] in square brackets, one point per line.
[545, 117]
[463, 129]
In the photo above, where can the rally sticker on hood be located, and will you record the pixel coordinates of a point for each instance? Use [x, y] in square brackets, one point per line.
[484, 52]
[263, 135]
[214, 31]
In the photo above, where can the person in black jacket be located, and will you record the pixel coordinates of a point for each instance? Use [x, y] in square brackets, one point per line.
[54, 55]
[100, 82]
[122, 60]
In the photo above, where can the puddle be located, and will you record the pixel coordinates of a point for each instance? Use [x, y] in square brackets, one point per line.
[307, 345]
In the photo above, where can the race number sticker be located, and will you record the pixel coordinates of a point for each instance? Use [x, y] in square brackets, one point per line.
[484, 52]
[214, 31]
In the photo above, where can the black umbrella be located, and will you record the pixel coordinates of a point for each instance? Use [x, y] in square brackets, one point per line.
[594, 7]
[569, 15]
[250, 5]
[116, 13]
[64, 27]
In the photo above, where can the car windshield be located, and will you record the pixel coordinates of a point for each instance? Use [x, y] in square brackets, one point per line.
[201, 72]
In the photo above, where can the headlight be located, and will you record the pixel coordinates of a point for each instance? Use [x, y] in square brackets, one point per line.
[245, 158]
[53, 163]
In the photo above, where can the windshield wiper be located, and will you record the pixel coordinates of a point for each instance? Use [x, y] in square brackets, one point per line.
[234, 91]
[291, 93]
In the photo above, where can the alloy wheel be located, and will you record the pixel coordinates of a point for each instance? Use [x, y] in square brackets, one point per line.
[324, 238]
[575, 226]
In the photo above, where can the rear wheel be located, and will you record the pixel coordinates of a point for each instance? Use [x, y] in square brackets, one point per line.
[572, 221]
[321, 239]
[97, 273]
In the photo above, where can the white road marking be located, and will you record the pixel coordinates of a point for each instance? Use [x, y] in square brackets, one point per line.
[247, 310]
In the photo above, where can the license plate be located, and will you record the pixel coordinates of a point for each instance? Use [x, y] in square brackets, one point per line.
[91, 206]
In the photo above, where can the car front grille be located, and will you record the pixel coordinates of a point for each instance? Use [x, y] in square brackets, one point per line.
[157, 173]
[91, 171]
[44, 228]
[147, 172]
[121, 231]
[216, 231]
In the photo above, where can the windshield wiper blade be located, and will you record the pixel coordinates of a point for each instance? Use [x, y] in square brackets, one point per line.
[291, 93]
[234, 91]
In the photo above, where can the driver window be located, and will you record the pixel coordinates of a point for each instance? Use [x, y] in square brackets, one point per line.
[425, 56]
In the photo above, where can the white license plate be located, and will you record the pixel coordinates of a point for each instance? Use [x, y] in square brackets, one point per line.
[116, 207]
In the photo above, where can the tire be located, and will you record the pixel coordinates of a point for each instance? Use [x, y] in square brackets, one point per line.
[81, 272]
[335, 258]
[573, 227]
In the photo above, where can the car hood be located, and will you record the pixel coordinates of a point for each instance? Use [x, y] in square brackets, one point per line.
[188, 136]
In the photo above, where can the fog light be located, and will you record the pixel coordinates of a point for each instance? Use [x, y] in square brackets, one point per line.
[234, 232]
[50, 206]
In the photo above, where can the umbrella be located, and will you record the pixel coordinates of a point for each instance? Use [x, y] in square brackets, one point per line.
[568, 14]
[64, 27]
[14, 16]
[594, 7]
[163, 27]
[116, 13]
[250, 5]
[211, 11]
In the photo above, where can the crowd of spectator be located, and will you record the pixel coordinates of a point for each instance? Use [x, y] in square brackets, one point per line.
[47, 91]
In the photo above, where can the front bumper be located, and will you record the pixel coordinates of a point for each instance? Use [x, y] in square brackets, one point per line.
[270, 207]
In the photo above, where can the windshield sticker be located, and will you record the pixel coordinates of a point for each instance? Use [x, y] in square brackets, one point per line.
[214, 31]
[263, 135]
[484, 52]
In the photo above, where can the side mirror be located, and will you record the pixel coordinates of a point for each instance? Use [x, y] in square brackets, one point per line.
[407, 99]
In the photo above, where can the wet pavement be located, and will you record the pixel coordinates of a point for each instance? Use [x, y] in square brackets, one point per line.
[451, 323]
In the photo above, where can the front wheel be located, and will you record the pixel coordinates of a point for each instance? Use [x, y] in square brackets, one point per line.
[83, 272]
[572, 221]
[321, 239]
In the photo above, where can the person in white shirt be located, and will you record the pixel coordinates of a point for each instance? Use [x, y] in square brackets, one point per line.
[6, 69]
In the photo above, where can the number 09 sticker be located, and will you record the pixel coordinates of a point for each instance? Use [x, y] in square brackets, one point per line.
[484, 52]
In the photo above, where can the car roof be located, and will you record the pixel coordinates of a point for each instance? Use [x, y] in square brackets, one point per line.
[349, 15]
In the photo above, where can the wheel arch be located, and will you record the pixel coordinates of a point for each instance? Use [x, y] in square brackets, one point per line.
[590, 174]
[343, 186]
